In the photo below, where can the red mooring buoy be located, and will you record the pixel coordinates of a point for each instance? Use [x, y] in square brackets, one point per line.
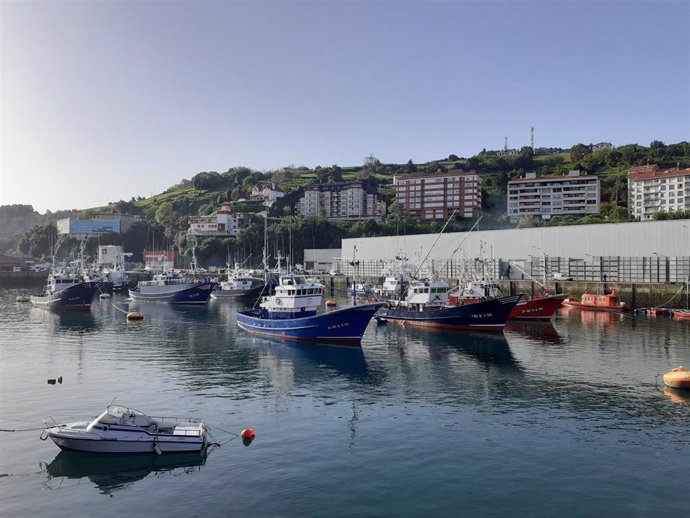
[248, 433]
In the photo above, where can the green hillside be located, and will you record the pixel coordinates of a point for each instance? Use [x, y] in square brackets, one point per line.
[166, 214]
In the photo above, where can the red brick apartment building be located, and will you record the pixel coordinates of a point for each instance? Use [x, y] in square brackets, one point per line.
[437, 195]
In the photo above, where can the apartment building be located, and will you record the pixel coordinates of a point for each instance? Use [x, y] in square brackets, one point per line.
[222, 223]
[576, 194]
[341, 201]
[651, 190]
[437, 195]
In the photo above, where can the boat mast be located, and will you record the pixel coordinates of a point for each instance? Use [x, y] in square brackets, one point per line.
[265, 249]
[432, 246]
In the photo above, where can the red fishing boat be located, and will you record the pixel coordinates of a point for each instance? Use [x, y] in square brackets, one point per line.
[541, 307]
[597, 302]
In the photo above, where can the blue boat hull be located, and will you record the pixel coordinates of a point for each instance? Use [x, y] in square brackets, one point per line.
[488, 315]
[174, 294]
[343, 326]
[77, 296]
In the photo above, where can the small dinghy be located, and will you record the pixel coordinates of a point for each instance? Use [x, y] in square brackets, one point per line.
[120, 429]
[23, 298]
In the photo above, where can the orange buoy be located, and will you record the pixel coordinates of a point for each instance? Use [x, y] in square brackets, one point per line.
[678, 378]
[248, 433]
[330, 303]
[135, 316]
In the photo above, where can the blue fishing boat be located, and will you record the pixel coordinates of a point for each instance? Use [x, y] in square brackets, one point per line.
[66, 289]
[427, 305]
[291, 313]
[173, 288]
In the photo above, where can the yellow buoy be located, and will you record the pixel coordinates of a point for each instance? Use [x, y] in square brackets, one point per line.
[678, 378]
[135, 316]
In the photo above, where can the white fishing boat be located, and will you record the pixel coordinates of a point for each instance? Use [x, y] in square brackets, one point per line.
[239, 284]
[119, 429]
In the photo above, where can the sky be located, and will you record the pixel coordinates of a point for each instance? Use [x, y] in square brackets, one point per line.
[106, 100]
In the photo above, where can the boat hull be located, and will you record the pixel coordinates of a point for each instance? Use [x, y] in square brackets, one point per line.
[174, 294]
[252, 293]
[75, 437]
[489, 315]
[537, 309]
[76, 297]
[343, 326]
[589, 307]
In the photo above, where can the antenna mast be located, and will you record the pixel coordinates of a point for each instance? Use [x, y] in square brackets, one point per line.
[531, 140]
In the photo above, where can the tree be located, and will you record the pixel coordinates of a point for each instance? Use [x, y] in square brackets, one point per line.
[578, 152]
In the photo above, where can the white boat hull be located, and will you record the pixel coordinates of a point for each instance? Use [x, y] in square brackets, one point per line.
[75, 437]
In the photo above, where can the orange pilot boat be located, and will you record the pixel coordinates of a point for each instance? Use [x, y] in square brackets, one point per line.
[597, 302]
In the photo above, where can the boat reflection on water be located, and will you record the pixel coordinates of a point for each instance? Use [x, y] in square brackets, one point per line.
[588, 318]
[484, 348]
[539, 332]
[67, 321]
[309, 357]
[112, 473]
[677, 395]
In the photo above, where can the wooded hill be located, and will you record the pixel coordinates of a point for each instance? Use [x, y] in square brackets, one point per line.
[166, 213]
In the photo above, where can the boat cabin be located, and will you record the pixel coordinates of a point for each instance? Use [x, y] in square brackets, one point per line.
[294, 297]
[422, 293]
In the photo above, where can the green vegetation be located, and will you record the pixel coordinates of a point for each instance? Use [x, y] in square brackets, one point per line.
[165, 216]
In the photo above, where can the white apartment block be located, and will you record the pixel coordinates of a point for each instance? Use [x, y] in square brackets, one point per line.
[222, 223]
[576, 194]
[340, 201]
[651, 190]
[437, 195]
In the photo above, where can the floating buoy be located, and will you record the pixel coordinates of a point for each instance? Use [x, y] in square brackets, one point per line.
[23, 298]
[330, 303]
[248, 433]
[678, 378]
[52, 381]
[135, 316]
[105, 295]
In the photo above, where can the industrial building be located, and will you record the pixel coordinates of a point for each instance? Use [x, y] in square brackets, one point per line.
[107, 224]
[645, 250]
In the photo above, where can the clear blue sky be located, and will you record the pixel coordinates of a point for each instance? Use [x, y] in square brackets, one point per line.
[105, 100]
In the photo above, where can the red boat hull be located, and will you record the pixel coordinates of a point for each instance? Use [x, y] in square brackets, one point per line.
[537, 309]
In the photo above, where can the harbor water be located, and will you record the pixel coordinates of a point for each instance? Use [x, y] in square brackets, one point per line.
[568, 417]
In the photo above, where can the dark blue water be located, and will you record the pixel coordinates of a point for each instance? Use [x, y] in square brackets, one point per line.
[567, 419]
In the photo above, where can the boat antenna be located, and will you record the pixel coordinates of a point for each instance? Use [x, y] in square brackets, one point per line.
[432, 246]
[113, 401]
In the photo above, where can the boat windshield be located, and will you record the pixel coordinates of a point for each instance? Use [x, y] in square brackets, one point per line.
[116, 414]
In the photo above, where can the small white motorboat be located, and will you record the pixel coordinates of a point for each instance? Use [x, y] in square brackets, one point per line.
[23, 298]
[120, 429]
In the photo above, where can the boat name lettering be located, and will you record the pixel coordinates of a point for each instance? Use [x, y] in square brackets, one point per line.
[482, 315]
[339, 326]
[533, 310]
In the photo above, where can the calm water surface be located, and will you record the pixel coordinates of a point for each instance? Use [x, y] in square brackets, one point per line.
[565, 418]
